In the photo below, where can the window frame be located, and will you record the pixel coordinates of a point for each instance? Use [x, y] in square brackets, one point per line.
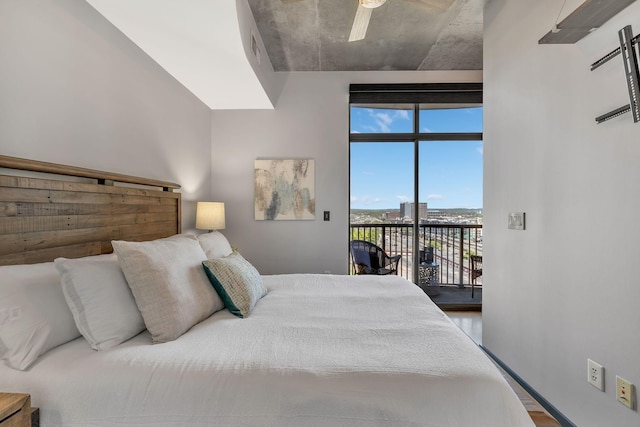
[416, 94]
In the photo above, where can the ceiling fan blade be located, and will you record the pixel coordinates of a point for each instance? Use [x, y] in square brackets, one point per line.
[360, 24]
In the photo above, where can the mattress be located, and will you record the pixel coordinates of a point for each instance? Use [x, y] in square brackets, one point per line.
[317, 350]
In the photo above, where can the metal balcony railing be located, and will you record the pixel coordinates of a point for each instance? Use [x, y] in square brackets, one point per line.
[452, 244]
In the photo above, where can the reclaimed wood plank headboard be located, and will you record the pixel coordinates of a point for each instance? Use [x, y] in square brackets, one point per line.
[43, 218]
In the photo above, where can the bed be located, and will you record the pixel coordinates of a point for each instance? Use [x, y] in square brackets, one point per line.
[311, 350]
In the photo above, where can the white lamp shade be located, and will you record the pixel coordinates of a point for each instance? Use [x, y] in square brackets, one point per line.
[210, 215]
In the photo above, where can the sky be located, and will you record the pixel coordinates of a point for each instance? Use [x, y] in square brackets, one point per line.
[450, 171]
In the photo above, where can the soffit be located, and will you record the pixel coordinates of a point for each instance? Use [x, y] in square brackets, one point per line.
[198, 42]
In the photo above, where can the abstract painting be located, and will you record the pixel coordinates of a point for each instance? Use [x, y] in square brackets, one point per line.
[285, 189]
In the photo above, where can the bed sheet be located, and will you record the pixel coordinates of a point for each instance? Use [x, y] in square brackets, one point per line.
[317, 350]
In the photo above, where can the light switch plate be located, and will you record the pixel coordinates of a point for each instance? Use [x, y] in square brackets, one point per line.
[516, 221]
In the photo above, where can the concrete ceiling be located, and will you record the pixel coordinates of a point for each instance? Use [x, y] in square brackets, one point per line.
[312, 35]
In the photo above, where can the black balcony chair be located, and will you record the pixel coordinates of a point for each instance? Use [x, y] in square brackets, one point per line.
[371, 259]
[476, 270]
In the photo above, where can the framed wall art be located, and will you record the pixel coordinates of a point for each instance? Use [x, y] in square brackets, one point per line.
[284, 189]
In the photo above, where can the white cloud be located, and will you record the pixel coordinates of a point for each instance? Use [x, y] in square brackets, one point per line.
[426, 130]
[435, 197]
[365, 200]
[383, 128]
[384, 120]
[480, 150]
[402, 114]
[404, 199]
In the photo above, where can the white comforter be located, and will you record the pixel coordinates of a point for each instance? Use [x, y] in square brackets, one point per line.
[318, 350]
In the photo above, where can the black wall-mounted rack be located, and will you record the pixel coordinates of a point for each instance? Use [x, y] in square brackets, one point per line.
[630, 59]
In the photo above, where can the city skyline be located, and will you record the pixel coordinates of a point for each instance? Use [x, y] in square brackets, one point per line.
[450, 171]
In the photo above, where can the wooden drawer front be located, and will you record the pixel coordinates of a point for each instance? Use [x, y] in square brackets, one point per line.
[15, 410]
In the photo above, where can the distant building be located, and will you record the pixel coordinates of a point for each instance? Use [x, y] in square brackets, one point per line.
[437, 214]
[406, 210]
[391, 216]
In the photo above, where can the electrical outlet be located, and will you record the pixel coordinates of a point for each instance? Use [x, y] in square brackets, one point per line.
[595, 374]
[624, 392]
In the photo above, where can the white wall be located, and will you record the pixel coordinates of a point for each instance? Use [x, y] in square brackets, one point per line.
[311, 120]
[270, 80]
[565, 289]
[74, 90]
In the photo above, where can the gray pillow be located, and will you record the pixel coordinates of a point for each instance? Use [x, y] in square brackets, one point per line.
[34, 316]
[237, 281]
[168, 284]
[100, 299]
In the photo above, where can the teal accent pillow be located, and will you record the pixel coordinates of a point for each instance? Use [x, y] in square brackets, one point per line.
[237, 282]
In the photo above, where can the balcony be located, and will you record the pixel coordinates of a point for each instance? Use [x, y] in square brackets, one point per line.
[452, 246]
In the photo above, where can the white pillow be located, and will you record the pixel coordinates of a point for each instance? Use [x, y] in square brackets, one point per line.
[100, 299]
[215, 244]
[34, 316]
[168, 283]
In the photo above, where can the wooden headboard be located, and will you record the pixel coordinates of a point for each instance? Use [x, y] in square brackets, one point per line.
[45, 218]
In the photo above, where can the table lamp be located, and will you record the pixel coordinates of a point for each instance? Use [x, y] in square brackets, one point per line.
[210, 216]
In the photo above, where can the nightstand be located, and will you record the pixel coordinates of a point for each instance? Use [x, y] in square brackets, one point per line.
[16, 411]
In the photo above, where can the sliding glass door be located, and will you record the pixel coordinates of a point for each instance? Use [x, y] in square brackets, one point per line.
[450, 182]
[382, 179]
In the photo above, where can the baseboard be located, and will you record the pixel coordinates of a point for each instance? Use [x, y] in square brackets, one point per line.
[555, 413]
[459, 307]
